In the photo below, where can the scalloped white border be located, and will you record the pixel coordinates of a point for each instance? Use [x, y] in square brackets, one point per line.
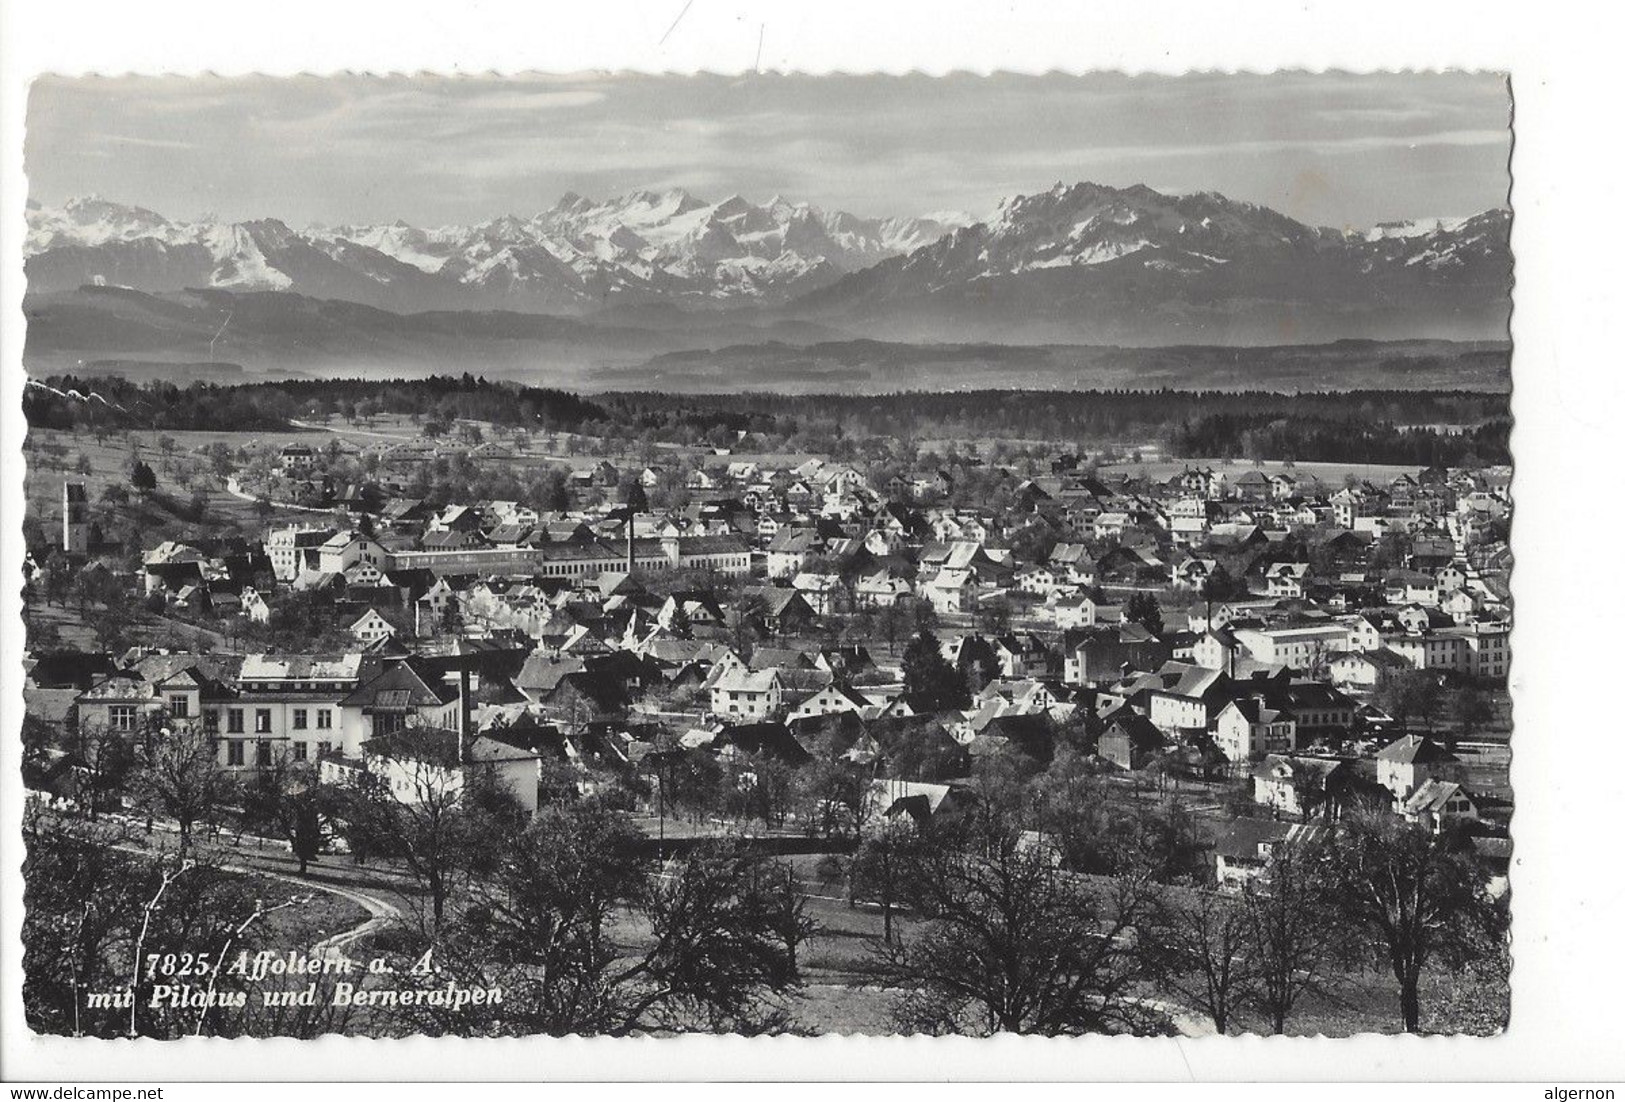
[1567, 977]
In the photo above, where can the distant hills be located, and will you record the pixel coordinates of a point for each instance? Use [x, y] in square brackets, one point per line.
[590, 290]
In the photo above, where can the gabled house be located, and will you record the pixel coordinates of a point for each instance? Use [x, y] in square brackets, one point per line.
[1244, 849]
[1300, 784]
[740, 694]
[1437, 804]
[1130, 741]
[1407, 763]
[1248, 728]
[371, 627]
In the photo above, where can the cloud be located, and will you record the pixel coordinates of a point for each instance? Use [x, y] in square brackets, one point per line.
[443, 149]
[144, 143]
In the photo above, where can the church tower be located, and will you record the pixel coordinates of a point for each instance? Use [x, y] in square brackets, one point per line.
[75, 519]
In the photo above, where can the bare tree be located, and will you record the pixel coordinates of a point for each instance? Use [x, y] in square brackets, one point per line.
[419, 804]
[1411, 898]
[549, 920]
[1293, 933]
[1014, 945]
[103, 758]
[178, 775]
[285, 799]
[1202, 949]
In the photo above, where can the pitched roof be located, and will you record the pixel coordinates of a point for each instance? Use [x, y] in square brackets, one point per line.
[1414, 750]
[737, 679]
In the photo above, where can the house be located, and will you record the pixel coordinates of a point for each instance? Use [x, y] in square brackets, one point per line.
[741, 694]
[1319, 709]
[253, 607]
[1437, 804]
[881, 590]
[296, 457]
[371, 627]
[1080, 610]
[1347, 508]
[1036, 579]
[1406, 764]
[1244, 849]
[1193, 574]
[774, 741]
[1300, 646]
[1186, 697]
[290, 548]
[780, 609]
[408, 692]
[820, 591]
[1249, 728]
[1357, 670]
[1286, 579]
[1071, 562]
[1253, 486]
[788, 551]
[289, 703]
[950, 591]
[1100, 654]
[419, 765]
[917, 802]
[1434, 650]
[831, 700]
[123, 702]
[1217, 649]
[1131, 741]
[343, 550]
[1301, 784]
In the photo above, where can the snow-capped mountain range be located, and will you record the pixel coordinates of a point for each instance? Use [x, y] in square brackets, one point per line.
[1094, 264]
[580, 254]
[1081, 263]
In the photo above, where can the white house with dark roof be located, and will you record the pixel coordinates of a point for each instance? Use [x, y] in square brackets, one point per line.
[370, 627]
[740, 694]
[1249, 728]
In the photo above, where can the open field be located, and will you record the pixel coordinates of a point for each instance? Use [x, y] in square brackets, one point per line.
[107, 463]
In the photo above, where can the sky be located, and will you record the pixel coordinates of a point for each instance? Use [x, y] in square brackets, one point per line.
[1336, 149]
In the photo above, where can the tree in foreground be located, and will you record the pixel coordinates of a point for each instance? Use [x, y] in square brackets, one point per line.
[101, 919]
[421, 810]
[1012, 944]
[1203, 954]
[1294, 932]
[1412, 898]
[884, 871]
[177, 775]
[586, 936]
[285, 800]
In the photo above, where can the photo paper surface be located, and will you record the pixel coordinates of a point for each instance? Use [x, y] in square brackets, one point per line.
[642, 555]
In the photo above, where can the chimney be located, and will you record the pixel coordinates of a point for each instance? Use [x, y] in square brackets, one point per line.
[465, 712]
[631, 536]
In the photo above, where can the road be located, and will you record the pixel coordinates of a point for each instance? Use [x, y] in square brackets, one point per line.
[235, 489]
[333, 876]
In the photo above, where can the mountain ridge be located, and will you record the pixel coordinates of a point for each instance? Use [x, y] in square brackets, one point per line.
[571, 258]
[1077, 263]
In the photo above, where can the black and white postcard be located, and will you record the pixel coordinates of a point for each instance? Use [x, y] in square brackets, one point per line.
[632, 553]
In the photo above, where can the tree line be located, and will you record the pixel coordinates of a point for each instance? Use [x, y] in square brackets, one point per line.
[1340, 439]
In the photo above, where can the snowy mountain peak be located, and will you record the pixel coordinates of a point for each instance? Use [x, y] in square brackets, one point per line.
[644, 245]
[1068, 256]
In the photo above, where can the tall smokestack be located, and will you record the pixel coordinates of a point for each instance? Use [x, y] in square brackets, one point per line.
[465, 712]
[631, 534]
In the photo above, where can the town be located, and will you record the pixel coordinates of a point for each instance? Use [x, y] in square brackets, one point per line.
[1130, 661]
